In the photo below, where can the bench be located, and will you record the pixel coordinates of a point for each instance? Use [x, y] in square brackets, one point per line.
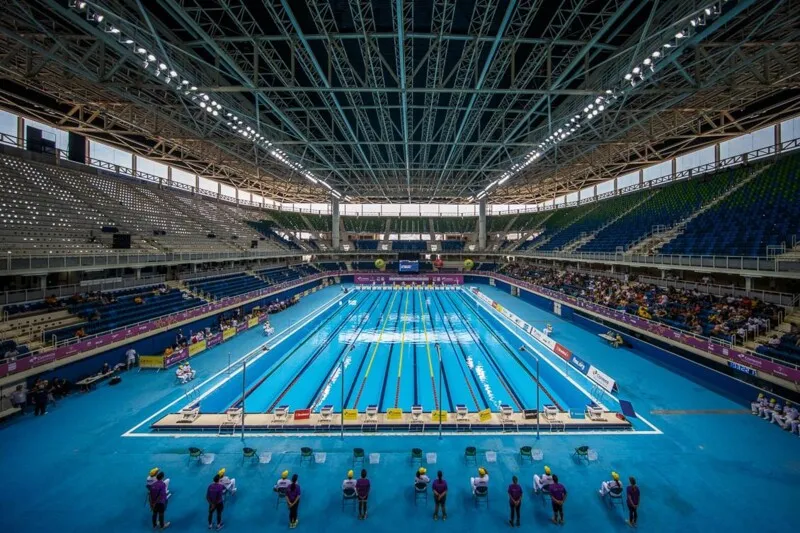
[86, 384]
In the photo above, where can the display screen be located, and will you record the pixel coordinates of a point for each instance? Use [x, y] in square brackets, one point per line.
[409, 266]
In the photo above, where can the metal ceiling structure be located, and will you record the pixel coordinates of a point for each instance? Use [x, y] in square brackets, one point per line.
[400, 100]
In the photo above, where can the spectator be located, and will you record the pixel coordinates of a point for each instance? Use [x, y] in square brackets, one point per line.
[421, 477]
[633, 502]
[293, 501]
[227, 482]
[215, 499]
[158, 501]
[283, 483]
[540, 482]
[613, 485]
[349, 484]
[558, 495]
[19, 398]
[514, 500]
[481, 481]
[439, 496]
[362, 489]
[40, 400]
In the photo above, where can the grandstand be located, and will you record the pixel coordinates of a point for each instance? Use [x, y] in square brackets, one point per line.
[298, 236]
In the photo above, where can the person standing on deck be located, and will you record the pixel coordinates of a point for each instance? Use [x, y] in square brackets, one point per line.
[362, 489]
[514, 500]
[215, 498]
[558, 494]
[439, 496]
[293, 501]
[633, 502]
[158, 501]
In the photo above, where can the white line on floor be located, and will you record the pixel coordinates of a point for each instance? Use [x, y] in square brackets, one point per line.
[288, 332]
[335, 434]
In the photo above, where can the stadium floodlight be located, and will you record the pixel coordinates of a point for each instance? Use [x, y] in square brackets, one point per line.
[656, 54]
[215, 113]
[193, 88]
[162, 66]
[151, 57]
[203, 105]
[628, 76]
[141, 50]
[110, 28]
[173, 74]
[76, 4]
[127, 41]
[680, 35]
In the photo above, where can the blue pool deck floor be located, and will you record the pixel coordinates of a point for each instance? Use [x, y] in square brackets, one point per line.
[73, 470]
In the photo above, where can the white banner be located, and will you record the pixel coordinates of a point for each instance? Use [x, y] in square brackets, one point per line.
[535, 333]
[602, 379]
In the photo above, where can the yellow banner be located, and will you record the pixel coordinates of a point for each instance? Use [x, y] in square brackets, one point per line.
[197, 347]
[228, 333]
[485, 415]
[151, 361]
[351, 414]
[436, 415]
[253, 322]
[393, 413]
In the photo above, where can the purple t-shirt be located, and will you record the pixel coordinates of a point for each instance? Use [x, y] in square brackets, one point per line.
[439, 485]
[362, 488]
[557, 491]
[514, 491]
[215, 492]
[292, 492]
[158, 492]
[633, 494]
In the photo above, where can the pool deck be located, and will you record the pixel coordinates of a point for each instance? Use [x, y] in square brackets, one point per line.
[381, 422]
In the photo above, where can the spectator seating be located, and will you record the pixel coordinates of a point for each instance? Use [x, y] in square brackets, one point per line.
[333, 266]
[412, 246]
[589, 218]
[366, 244]
[455, 224]
[451, 245]
[276, 276]
[266, 228]
[364, 224]
[305, 269]
[319, 222]
[495, 224]
[763, 212]
[529, 221]
[289, 220]
[487, 267]
[788, 350]
[668, 206]
[410, 225]
[364, 265]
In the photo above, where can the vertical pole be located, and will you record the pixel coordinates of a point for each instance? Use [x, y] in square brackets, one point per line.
[538, 407]
[439, 352]
[244, 387]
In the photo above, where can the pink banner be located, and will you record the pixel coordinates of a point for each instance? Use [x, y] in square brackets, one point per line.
[446, 279]
[176, 357]
[213, 340]
[241, 327]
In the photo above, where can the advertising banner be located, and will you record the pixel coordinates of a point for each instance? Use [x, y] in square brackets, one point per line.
[197, 347]
[213, 340]
[241, 327]
[604, 380]
[176, 357]
[302, 414]
[580, 364]
[151, 361]
[253, 322]
[351, 414]
[485, 415]
[393, 413]
[446, 279]
[228, 333]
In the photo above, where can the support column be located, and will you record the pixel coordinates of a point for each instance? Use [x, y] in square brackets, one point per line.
[335, 237]
[482, 225]
[138, 273]
[21, 132]
[748, 285]
[43, 283]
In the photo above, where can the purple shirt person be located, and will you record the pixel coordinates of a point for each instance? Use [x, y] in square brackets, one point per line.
[362, 489]
[514, 500]
[293, 501]
[158, 500]
[558, 493]
[439, 496]
[215, 498]
[633, 501]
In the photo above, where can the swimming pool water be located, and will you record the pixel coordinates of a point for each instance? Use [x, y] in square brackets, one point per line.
[381, 347]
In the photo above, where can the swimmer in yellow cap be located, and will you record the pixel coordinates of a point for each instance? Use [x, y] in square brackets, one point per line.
[282, 484]
[228, 482]
[349, 484]
[151, 478]
[481, 481]
[422, 477]
[766, 411]
[540, 482]
[760, 402]
[614, 486]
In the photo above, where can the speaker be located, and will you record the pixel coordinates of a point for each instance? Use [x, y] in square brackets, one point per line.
[33, 139]
[76, 148]
[253, 244]
[122, 241]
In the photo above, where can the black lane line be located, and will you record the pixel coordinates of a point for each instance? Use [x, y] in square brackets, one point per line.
[389, 359]
[441, 367]
[414, 349]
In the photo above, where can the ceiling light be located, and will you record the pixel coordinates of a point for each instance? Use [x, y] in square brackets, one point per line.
[636, 70]
[141, 50]
[127, 41]
[628, 76]
[151, 57]
[601, 108]
[647, 61]
[205, 97]
[193, 88]
[656, 54]
[680, 35]
[203, 105]
[214, 113]
[173, 74]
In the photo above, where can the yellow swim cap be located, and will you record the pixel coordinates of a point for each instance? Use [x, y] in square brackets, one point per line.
[772, 400]
[482, 471]
[614, 476]
[422, 470]
[760, 395]
[154, 471]
[284, 474]
[221, 472]
[350, 474]
[547, 470]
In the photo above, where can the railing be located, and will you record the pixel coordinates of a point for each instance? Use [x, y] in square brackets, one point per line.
[61, 291]
[778, 298]
[188, 276]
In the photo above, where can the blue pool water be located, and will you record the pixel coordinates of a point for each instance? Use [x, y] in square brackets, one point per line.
[380, 348]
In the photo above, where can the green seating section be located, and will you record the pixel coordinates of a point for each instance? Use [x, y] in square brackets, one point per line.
[364, 224]
[455, 224]
[529, 221]
[498, 223]
[288, 220]
[410, 225]
[319, 222]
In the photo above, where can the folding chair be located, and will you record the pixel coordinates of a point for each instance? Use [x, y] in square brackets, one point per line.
[306, 454]
[420, 492]
[358, 456]
[349, 496]
[280, 494]
[581, 453]
[544, 493]
[416, 456]
[526, 451]
[615, 497]
[195, 453]
[481, 494]
[249, 453]
[471, 454]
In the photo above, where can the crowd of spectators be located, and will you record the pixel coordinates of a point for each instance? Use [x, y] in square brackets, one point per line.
[730, 318]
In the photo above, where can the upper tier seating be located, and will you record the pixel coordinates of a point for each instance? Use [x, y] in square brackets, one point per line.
[229, 285]
[589, 218]
[495, 224]
[451, 245]
[413, 246]
[366, 244]
[305, 270]
[364, 265]
[529, 221]
[455, 224]
[319, 222]
[333, 266]
[763, 212]
[289, 220]
[558, 219]
[668, 206]
[364, 224]
[276, 276]
[409, 225]
[265, 229]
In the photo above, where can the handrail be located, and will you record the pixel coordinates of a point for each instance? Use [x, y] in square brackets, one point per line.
[32, 295]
